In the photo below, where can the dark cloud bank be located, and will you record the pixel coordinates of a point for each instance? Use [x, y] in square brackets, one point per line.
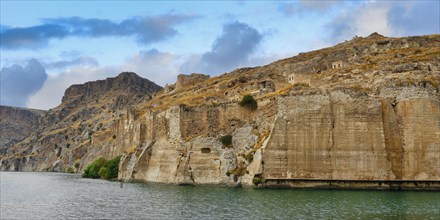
[230, 50]
[146, 30]
[18, 83]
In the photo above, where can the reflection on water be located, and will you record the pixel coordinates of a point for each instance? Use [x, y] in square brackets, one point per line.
[55, 196]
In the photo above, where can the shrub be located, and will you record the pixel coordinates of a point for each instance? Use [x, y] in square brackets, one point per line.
[76, 164]
[240, 171]
[249, 102]
[101, 168]
[69, 170]
[229, 172]
[113, 167]
[103, 173]
[258, 180]
[226, 140]
[249, 157]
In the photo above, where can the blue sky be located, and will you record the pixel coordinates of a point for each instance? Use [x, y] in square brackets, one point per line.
[46, 46]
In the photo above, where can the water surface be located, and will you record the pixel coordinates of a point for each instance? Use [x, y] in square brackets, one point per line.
[56, 195]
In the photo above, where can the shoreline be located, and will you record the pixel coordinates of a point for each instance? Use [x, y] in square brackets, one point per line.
[394, 185]
[381, 185]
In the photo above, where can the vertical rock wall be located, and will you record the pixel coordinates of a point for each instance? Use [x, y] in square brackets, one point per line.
[347, 135]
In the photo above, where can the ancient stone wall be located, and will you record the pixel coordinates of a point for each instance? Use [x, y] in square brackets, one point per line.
[189, 80]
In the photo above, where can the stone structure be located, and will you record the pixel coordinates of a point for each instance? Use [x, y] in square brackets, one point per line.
[189, 80]
[298, 78]
[337, 64]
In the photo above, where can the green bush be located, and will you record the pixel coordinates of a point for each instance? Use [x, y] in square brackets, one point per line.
[258, 180]
[101, 168]
[226, 140]
[249, 102]
[103, 173]
[76, 164]
[69, 170]
[113, 167]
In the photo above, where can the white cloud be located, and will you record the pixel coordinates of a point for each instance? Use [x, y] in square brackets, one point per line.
[159, 67]
[366, 19]
[393, 18]
[156, 66]
[49, 96]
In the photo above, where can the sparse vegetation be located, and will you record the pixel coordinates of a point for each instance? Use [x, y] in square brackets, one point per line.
[249, 157]
[69, 170]
[76, 164]
[237, 171]
[258, 180]
[301, 84]
[101, 168]
[240, 171]
[249, 102]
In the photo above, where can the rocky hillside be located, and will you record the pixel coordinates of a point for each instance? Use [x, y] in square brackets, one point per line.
[363, 110]
[16, 124]
[69, 129]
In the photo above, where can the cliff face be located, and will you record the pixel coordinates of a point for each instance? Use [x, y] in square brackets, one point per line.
[68, 132]
[374, 119]
[367, 109]
[16, 124]
[392, 136]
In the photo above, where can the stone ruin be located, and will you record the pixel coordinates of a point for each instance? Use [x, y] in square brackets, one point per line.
[337, 64]
[189, 80]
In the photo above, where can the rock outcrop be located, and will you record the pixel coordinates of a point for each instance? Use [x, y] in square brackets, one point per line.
[363, 113]
[189, 80]
[75, 131]
[16, 124]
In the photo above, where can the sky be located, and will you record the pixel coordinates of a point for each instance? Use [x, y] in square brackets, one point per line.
[46, 46]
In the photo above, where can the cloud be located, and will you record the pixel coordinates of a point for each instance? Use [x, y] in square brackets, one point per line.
[83, 60]
[362, 21]
[319, 5]
[159, 67]
[52, 91]
[18, 83]
[386, 18]
[306, 6]
[230, 50]
[146, 30]
[420, 19]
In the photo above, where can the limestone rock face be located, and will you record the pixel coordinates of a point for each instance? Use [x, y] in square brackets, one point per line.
[375, 117]
[84, 127]
[342, 136]
[16, 124]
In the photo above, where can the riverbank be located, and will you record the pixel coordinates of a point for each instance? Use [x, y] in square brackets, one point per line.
[417, 185]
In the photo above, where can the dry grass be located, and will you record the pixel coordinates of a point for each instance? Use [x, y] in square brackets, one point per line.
[130, 150]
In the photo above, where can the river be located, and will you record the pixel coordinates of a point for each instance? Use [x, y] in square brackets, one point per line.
[56, 195]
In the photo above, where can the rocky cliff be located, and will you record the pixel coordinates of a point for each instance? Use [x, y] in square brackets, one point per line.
[364, 110]
[67, 133]
[16, 124]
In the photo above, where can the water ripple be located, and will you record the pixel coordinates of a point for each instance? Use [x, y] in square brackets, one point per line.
[64, 196]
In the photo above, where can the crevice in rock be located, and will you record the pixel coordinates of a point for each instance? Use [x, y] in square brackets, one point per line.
[392, 137]
[331, 134]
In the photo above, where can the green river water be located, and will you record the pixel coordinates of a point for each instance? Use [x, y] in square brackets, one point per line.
[66, 196]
